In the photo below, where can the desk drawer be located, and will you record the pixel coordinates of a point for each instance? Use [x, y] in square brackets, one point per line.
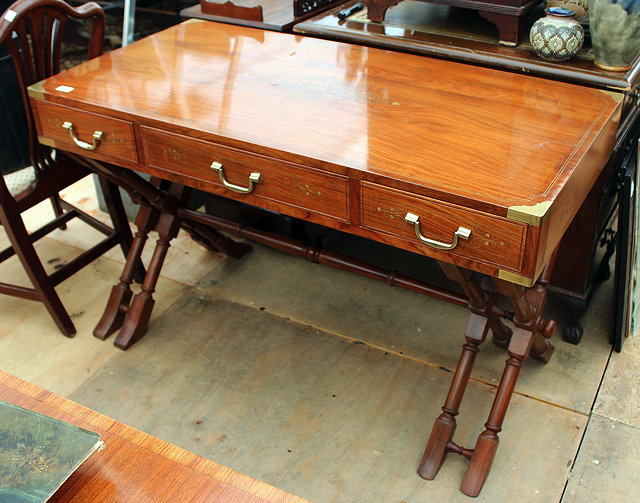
[116, 141]
[282, 182]
[493, 240]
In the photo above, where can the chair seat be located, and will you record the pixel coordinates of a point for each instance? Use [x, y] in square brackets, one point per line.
[20, 180]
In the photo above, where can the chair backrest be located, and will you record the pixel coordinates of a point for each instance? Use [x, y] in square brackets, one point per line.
[33, 31]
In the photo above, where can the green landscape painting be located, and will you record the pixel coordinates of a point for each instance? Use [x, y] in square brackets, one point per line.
[38, 453]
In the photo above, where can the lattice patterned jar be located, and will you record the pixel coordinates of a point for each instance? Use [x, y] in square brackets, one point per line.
[557, 36]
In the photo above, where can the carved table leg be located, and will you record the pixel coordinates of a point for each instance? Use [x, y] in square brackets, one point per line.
[483, 318]
[530, 337]
[118, 303]
[139, 312]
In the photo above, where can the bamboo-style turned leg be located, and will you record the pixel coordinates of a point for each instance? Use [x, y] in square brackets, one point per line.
[118, 303]
[529, 337]
[483, 317]
[139, 312]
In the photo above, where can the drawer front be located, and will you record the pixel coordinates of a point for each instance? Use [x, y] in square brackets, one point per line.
[116, 141]
[493, 240]
[280, 181]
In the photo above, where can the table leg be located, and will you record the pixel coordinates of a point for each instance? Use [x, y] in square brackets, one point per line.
[484, 316]
[529, 338]
[118, 303]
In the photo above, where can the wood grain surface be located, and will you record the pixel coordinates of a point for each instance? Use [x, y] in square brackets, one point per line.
[135, 466]
[485, 140]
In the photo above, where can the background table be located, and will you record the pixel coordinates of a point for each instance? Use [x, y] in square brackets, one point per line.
[135, 466]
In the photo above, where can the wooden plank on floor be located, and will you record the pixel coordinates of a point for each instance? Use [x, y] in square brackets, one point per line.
[619, 395]
[315, 414]
[608, 464]
[31, 346]
[410, 323]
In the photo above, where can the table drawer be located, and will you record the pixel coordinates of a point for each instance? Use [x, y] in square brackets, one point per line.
[493, 240]
[116, 140]
[279, 181]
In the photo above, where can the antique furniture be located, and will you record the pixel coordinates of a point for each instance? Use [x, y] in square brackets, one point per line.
[434, 157]
[440, 31]
[276, 15]
[509, 16]
[161, 473]
[32, 31]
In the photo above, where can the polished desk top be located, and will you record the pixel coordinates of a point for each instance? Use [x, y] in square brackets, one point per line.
[510, 145]
[134, 466]
[499, 139]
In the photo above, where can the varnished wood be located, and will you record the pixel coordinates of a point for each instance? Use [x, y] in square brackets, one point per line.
[456, 141]
[33, 39]
[338, 121]
[162, 472]
[293, 185]
[507, 15]
[232, 10]
[437, 30]
[277, 15]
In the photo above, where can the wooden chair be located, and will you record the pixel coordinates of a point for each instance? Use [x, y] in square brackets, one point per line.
[33, 31]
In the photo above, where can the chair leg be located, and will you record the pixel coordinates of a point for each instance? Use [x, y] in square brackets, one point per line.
[118, 303]
[119, 221]
[23, 247]
[57, 209]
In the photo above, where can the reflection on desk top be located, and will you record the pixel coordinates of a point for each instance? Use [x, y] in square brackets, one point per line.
[463, 35]
[466, 134]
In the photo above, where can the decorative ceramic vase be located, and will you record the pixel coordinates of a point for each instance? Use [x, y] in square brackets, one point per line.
[557, 36]
[580, 7]
[615, 33]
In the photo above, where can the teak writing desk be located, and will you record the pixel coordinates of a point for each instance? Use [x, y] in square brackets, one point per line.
[480, 169]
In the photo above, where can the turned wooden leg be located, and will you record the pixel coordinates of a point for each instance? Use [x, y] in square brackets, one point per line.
[530, 337]
[139, 312]
[487, 443]
[118, 303]
[483, 318]
[441, 438]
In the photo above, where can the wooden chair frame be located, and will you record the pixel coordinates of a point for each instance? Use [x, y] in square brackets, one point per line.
[32, 30]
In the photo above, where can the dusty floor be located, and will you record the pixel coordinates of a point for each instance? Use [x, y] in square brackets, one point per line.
[326, 384]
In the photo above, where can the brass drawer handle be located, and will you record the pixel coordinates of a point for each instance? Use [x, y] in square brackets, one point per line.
[253, 178]
[462, 232]
[97, 137]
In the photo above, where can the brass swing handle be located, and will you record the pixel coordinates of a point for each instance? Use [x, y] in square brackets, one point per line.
[462, 232]
[97, 137]
[253, 178]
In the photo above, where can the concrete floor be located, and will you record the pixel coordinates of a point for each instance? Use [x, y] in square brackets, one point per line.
[326, 384]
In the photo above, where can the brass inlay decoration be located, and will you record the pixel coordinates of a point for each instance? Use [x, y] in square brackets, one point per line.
[462, 232]
[616, 96]
[47, 141]
[532, 215]
[396, 214]
[254, 177]
[306, 189]
[97, 137]
[36, 90]
[516, 278]
[174, 155]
